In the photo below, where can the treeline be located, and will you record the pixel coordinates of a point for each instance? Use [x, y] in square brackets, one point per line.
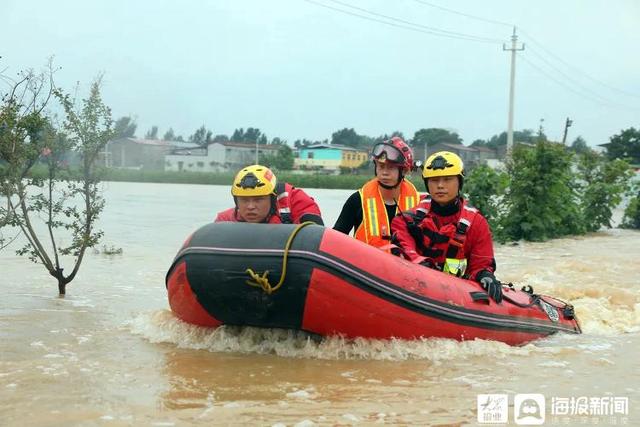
[127, 127]
[625, 145]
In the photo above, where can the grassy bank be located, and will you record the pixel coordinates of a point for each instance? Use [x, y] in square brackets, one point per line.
[344, 182]
[169, 177]
[302, 181]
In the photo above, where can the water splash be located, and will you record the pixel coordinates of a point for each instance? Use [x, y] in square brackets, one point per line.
[163, 327]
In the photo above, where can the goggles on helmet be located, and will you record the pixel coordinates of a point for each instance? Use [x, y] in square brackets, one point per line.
[389, 152]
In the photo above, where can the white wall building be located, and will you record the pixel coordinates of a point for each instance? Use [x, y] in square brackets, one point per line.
[216, 157]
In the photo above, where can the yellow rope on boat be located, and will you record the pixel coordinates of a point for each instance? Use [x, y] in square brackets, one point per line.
[261, 281]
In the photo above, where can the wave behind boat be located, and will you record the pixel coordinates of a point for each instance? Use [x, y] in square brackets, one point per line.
[594, 273]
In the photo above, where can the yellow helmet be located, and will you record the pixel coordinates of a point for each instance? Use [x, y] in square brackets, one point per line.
[254, 180]
[443, 163]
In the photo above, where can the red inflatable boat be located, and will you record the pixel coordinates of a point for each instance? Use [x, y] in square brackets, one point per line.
[324, 282]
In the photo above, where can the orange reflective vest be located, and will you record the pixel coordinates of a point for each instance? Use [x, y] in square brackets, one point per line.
[375, 228]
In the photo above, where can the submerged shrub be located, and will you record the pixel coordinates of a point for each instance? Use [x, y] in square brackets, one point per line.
[602, 184]
[631, 217]
[485, 188]
[542, 200]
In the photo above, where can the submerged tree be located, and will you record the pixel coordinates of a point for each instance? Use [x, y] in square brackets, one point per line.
[88, 128]
[22, 136]
[66, 199]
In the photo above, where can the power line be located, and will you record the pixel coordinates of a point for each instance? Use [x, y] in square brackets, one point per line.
[405, 24]
[577, 69]
[541, 71]
[569, 78]
[455, 12]
[551, 77]
[455, 33]
[534, 41]
[412, 26]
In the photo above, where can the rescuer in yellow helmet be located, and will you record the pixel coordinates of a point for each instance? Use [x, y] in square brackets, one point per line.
[444, 232]
[260, 198]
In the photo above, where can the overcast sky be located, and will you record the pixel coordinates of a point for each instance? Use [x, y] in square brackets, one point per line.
[304, 69]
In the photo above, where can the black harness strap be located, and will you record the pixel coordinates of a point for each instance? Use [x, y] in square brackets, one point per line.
[435, 237]
[285, 217]
[432, 253]
[457, 241]
[414, 228]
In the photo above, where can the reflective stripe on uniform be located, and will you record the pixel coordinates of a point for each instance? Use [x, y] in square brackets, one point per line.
[410, 202]
[455, 266]
[373, 216]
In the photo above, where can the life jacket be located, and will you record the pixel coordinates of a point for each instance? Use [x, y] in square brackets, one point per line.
[375, 228]
[443, 244]
[280, 211]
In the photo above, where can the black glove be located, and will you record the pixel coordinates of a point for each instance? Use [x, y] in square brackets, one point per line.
[490, 284]
[428, 263]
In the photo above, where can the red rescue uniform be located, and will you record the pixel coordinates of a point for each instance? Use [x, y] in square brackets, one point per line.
[456, 231]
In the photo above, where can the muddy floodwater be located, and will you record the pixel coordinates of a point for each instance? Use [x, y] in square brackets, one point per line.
[111, 353]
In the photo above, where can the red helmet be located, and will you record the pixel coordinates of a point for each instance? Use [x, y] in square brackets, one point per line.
[394, 150]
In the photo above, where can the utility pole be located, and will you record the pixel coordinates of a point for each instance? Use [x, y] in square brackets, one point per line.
[567, 125]
[541, 130]
[256, 151]
[512, 49]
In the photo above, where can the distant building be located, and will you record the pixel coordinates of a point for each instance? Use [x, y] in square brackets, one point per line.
[502, 149]
[471, 155]
[485, 153]
[134, 153]
[216, 157]
[329, 158]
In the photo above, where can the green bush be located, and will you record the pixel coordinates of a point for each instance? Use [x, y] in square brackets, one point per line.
[602, 184]
[542, 200]
[631, 217]
[485, 188]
